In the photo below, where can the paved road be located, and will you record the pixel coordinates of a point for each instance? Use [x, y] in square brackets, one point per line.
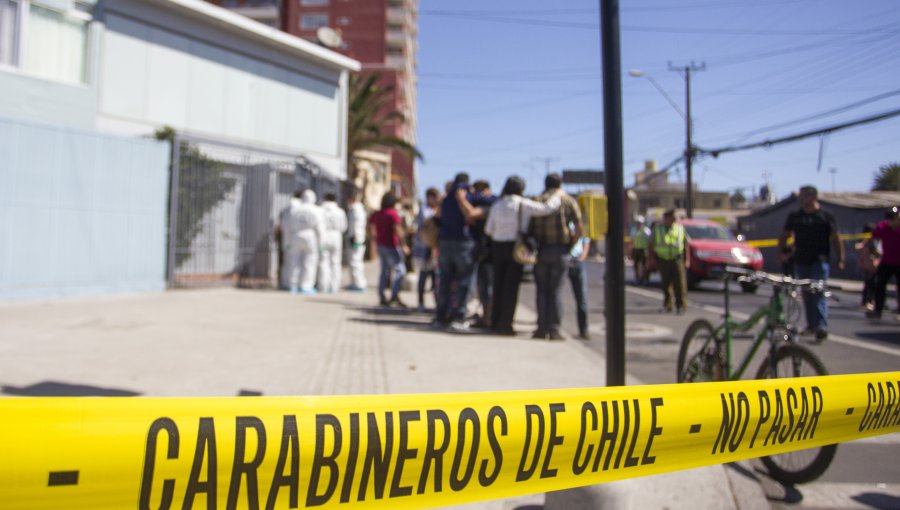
[864, 473]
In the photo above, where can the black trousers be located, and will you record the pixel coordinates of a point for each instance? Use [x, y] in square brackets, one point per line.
[882, 278]
[507, 276]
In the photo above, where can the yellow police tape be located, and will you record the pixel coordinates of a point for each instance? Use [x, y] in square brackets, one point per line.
[411, 451]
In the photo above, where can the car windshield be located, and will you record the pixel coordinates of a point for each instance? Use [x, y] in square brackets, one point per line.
[708, 232]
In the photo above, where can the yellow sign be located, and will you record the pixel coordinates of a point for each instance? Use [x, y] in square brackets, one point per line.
[596, 215]
[411, 451]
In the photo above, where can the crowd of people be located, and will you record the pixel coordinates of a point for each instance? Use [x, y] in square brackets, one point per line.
[466, 245]
[461, 243]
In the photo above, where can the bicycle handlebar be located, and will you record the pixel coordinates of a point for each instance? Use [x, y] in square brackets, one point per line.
[814, 285]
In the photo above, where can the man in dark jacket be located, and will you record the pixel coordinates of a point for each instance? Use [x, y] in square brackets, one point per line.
[555, 234]
[815, 234]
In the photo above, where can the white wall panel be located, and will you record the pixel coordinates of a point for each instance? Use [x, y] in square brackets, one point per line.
[123, 73]
[197, 86]
[242, 93]
[168, 68]
[85, 213]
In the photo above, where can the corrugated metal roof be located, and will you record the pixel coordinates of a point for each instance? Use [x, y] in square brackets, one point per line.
[870, 200]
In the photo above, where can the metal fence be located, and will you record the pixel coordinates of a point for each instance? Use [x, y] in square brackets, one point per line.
[224, 207]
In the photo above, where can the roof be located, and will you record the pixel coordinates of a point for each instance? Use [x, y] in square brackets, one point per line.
[239, 23]
[870, 200]
[852, 200]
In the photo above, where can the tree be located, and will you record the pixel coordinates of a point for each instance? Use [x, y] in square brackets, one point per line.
[369, 121]
[887, 178]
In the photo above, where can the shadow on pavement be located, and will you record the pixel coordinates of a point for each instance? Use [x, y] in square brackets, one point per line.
[888, 337]
[58, 389]
[741, 470]
[778, 491]
[878, 500]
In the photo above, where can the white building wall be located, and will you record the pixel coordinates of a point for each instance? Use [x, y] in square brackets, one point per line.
[80, 212]
[158, 68]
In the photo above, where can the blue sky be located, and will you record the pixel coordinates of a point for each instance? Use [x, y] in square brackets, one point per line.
[515, 86]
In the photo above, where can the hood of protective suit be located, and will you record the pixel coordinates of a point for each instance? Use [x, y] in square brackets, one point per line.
[309, 197]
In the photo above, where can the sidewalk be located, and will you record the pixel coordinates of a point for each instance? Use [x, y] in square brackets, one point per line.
[228, 342]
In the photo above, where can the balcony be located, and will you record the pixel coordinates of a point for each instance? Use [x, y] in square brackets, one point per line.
[396, 39]
[263, 11]
[398, 16]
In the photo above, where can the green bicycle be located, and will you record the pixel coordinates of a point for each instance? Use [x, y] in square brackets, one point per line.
[705, 355]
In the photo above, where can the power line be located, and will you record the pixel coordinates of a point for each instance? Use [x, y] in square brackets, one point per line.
[824, 114]
[650, 29]
[800, 136]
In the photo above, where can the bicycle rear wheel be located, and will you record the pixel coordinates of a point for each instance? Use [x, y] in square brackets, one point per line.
[701, 357]
[800, 466]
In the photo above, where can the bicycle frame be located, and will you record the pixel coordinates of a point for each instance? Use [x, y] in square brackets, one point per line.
[772, 312]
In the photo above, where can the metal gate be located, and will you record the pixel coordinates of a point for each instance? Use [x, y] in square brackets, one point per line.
[224, 206]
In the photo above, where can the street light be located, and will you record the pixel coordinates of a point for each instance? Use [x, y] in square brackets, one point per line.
[686, 115]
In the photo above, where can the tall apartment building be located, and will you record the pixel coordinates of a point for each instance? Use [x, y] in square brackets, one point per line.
[381, 34]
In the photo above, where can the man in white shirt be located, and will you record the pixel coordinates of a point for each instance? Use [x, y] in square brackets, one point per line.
[508, 218]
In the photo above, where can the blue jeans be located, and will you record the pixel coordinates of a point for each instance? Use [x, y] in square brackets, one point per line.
[578, 279]
[457, 268]
[816, 304]
[391, 258]
[553, 259]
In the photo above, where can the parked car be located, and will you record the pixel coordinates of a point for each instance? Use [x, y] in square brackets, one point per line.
[711, 246]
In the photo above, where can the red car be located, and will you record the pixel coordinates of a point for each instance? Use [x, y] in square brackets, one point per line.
[712, 245]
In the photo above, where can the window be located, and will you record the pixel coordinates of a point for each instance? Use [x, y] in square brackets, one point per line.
[313, 21]
[9, 31]
[44, 38]
[313, 2]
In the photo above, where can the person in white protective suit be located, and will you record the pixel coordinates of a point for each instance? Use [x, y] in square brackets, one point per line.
[332, 244]
[303, 226]
[357, 218]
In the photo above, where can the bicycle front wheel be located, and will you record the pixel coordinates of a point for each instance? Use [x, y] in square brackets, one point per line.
[800, 466]
[701, 357]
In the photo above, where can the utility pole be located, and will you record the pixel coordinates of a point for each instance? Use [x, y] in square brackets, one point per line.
[547, 162]
[689, 146]
[614, 302]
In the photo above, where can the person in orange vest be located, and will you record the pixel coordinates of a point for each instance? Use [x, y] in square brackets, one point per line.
[668, 250]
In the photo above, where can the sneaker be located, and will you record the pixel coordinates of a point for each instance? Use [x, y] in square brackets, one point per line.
[354, 288]
[555, 335]
[396, 302]
[505, 332]
[295, 291]
[460, 326]
[539, 335]
[308, 292]
[821, 335]
[584, 336]
[438, 325]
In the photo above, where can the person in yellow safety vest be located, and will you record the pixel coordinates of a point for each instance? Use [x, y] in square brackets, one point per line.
[668, 249]
[640, 239]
